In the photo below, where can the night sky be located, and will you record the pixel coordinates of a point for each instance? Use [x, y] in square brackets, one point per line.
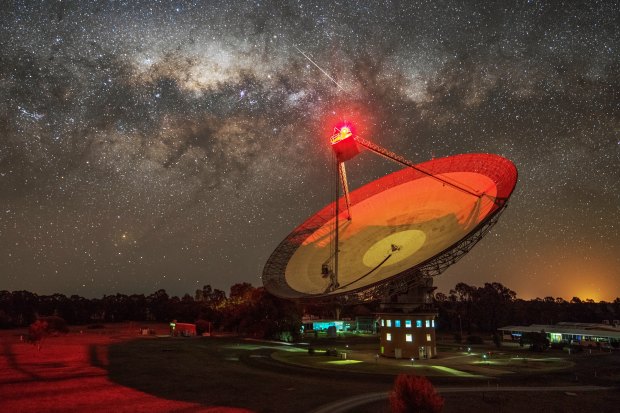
[148, 145]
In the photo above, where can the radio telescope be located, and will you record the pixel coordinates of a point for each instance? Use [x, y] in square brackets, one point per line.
[388, 235]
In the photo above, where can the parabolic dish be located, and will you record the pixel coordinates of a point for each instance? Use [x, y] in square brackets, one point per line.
[400, 222]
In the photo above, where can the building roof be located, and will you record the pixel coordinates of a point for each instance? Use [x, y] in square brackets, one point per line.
[584, 329]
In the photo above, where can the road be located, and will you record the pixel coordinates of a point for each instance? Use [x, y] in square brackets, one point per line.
[345, 405]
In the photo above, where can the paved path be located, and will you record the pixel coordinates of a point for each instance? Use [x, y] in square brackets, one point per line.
[345, 405]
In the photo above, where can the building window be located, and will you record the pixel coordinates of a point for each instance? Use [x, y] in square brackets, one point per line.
[428, 338]
[408, 323]
[396, 323]
[418, 323]
[428, 323]
[409, 338]
[433, 323]
[382, 322]
[388, 323]
[388, 337]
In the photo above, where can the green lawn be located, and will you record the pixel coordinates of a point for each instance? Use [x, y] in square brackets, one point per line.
[219, 372]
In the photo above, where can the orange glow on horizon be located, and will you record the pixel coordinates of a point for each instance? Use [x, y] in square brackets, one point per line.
[555, 271]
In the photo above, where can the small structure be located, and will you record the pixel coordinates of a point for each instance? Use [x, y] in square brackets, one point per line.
[408, 329]
[182, 329]
[409, 336]
[580, 334]
[366, 324]
[311, 325]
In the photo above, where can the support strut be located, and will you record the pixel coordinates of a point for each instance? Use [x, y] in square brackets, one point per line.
[345, 186]
[399, 159]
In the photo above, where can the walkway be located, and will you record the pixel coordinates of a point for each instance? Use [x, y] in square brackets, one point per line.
[345, 405]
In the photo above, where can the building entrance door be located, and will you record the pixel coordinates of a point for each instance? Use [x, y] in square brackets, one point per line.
[422, 352]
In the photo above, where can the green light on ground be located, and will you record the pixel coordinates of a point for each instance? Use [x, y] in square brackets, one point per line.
[547, 359]
[258, 347]
[453, 372]
[343, 362]
[487, 362]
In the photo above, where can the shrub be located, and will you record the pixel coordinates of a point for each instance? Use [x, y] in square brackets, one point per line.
[475, 340]
[496, 340]
[558, 346]
[36, 332]
[55, 324]
[202, 326]
[414, 394]
[575, 348]
[285, 336]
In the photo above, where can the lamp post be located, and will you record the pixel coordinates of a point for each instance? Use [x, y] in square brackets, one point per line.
[460, 328]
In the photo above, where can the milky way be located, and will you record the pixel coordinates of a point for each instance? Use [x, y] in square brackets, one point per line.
[148, 145]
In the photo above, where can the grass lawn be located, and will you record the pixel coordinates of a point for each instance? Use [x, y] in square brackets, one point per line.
[215, 371]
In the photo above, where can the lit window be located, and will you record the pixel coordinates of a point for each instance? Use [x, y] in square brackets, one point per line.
[409, 338]
[396, 323]
[382, 323]
[428, 338]
[428, 323]
[433, 323]
[408, 323]
[389, 323]
[418, 323]
[388, 337]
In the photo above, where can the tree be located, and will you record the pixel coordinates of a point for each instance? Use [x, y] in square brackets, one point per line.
[275, 317]
[414, 394]
[537, 341]
[54, 324]
[36, 332]
[493, 302]
[212, 297]
[158, 305]
[241, 292]
[466, 295]
[23, 307]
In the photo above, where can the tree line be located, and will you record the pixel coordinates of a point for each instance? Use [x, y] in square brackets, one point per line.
[252, 311]
[246, 310]
[468, 309]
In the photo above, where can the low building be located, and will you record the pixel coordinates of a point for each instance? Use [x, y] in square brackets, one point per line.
[582, 334]
[182, 329]
[311, 325]
[407, 335]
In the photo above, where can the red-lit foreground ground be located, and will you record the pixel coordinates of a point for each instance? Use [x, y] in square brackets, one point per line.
[115, 370]
[68, 374]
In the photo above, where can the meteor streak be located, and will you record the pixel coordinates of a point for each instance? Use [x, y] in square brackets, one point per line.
[319, 67]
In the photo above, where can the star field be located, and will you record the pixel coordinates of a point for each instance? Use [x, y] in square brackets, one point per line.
[153, 144]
